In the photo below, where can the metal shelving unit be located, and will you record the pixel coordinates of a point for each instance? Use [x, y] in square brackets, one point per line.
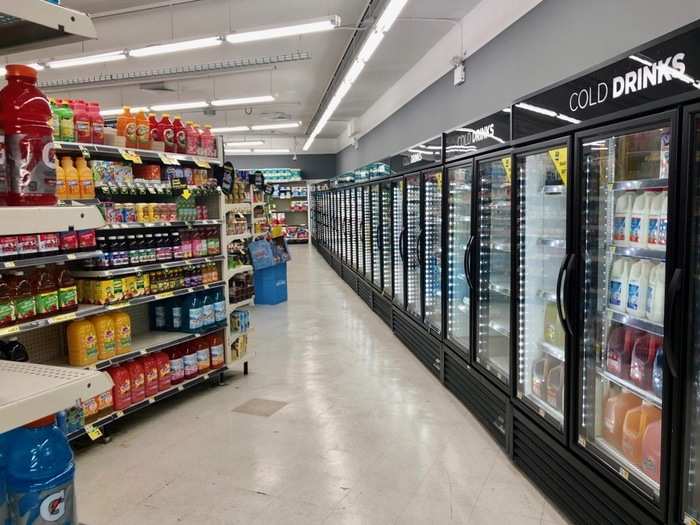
[116, 152]
[111, 272]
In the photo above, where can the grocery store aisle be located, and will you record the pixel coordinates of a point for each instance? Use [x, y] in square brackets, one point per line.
[364, 435]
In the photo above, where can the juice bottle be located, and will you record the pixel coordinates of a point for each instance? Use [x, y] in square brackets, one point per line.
[642, 364]
[4, 182]
[616, 407]
[126, 127]
[121, 392]
[651, 450]
[180, 135]
[617, 287]
[122, 330]
[203, 356]
[67, 289]
[24, 300]
[189, 360]
[208, 142]
[555, 386]
[165, 130]
[85, 180]
[105, 402]
[55, 120]
[639, 220]
[153, 129]
[635, 425]
[219, 305]
[199, 138]
[622, 218]
[619, 349]
[657, 374]
[540, 369]
[30, 160]
[143, 131]
[637, 288]
[655, 293]
[65, 113]
[46, 292]
[150, 370]
[192, 138]
[177, 366]
[7, 306]
[82, 343]
[216, 349]
[81, 122]
[104, 329]
[138, 379]
[207, 310]
[61, 190]
[70, 173]
[163, 363]
[97, 123]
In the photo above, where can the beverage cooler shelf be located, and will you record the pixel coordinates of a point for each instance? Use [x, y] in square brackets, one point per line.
[49, 259]
[635, 322]
[557, 189]
[641, 253]
[553, 350]
[625, 468]
[630, 387]
[644, 184]
[111, 272]
[500, 288]
[544, 407]
[499, 328]
[551, 243]
[500, 247]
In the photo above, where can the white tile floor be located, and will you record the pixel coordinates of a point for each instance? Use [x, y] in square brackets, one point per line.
[368, 435]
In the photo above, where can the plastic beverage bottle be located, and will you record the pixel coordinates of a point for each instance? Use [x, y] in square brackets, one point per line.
[193, 313]
[7, 307]
[203, 355]
[651, 450]
[121, 392]
[219, 305]
[208, 141]
[122, 330]
[85, 180]
[150, 369]
[137, 377]
[180, 135]
[657, 374]
[104, 328]
[67, 289]
[642, 364]
[24, 300]
[61, 189]
[97, 123]
[4, 182]
[40, 474]
[165, 130]
[70, 174]
[126, 127]
[207, 310]
[153, 129]
[616, 408]
[143, 131]
[55, 123]
[177, 365]
[189, 360]
[635, 425]
[199, 138]
[163, 363]
[639, 220]
[618, 284]
[30, 161]
[82, 343]
[637, 288]
[192, 138]
[66, 124]
[46, 292]
[619, 350]
[216, 350]
[81, 119]
[622, 218]
[654, 306]
[658, 221]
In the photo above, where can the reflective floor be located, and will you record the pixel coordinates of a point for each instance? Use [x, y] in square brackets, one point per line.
[341, 424]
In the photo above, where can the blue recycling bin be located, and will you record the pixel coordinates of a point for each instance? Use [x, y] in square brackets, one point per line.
[271, 284]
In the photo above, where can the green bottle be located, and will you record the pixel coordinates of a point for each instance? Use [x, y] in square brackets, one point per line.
[55, 120]
[67, 126]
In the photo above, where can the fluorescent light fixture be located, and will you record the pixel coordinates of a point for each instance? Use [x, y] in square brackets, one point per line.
[236, 151]
[567, 118]
[230, 129]
[36, 66]
[180, 105]
[118, 111]
[244, 144]
[315, 26]
[285, 125]
[506, 110]
[174, 47]
[87, 60]
[242, 101]
[271, 150]
[370, 46]
[390, 14]
[354, 71]
[537, 109]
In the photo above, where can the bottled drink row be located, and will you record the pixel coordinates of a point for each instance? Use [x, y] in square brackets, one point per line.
[29, 246]
[641, 219]
[152, 212]
[636, 287]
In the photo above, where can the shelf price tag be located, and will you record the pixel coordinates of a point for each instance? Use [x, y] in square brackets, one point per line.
[93, 432]
[165, 295]
[62, 318]
[168, 160]
[186, 193]
[560, 160]
[135, 157]
[624, 473]
[9, 264]
[84, 151]
[201, 163]
[119, 413]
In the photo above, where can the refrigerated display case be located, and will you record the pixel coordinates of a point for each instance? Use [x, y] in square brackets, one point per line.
[494, 264]
[414, 234]
[459, 210]
[354, 221]
[386, 232]
[376, 236]
[432, 245]
[343, 225]
[542, 248]
[367, 230]
[399, 241]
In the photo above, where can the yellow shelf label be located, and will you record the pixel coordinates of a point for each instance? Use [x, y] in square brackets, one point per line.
[186, 194]
[62, 318]
[560, 160]
[10, 330]
[9, 264]
[165, 295]
[201, 163]
[507, 167]
[119, 414]
[93, 432]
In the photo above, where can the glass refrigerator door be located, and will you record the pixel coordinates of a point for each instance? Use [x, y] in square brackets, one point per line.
[359, 199]
[367, 230]
[343, 234]
[541, 253]
[376, 236]
[353, 228]
[458, 235]
[413, 234]
[625, 183]
[387, 229]
[399, 239]
[494, 262]
[433, 249]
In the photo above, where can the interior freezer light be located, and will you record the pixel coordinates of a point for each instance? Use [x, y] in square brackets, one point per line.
[173, 47]
[370, 46]
[242, 100]
[112, 56]
[316, 26]
[230, 129]
[537, 109]
[506, 110]
[180, 105]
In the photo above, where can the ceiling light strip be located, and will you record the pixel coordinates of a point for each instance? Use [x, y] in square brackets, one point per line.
[314, 26]
[87, 60]
[174, 47]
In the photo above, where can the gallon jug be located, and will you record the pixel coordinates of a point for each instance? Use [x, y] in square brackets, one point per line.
[658, 221]
[643, 355]
[616, 408]
[82, 343]
[150, 370]
[219, 302]
[193, 314]
[177, 366]
[104, 328]
[137, 378]
[636, 422]
[72, 179]
[163, 363]
[555, 386]
[122, 331]
[651, 451]
[540, 369]
[203, 357]
[637, 288]
[617, 288]
[622, 218]
[216, 349]
[126, 127]
[121, 392]
[61, 190]
[619, 350]
[189, 360]
[639, 220]
[40, 475]
[654, 304]
[657, 375]
[143, 131]
[207, 310]
[553, 331]
[86, 182]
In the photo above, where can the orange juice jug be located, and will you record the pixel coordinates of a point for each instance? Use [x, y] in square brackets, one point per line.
[70, 175]
[616, 408]
[82, 343]
[60, 183]
[122, 330]
[126, 127]
[651, 451]
[143, 131]
[85, 180]
[104, 329]
[636, 422]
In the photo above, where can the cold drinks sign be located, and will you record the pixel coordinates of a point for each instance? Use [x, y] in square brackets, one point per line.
[665, 68]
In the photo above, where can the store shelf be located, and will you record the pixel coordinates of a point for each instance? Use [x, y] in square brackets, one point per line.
[239, 269]
[258, 204]
[500, 247]
[630, 387]
[499, 328]
[552, 243]
[238, 237]
[499, 288]
[116, 152]
[297, 241]
[175, 389]
[553, 350]
[111, 272]
[555, 189]
[29, 391]
[239, 207]
[645, 184]
[18, 220]
[641, 253]
[143, 188]
[642, 324]
[241, 304]
[36, 24]
[164, 224]
[546, 408]
[85, 310]
[49, 259]
[625, 467]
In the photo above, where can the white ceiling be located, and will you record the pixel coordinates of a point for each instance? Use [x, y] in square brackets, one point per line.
[297, 86]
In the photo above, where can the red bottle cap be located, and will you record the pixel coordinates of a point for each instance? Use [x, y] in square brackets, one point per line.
[20, 70]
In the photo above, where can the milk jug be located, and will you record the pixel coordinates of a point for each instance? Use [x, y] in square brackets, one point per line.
[637, 288]
[639, 220]
[658, 221]
[621, 221]
[654, 306]
[617, 287]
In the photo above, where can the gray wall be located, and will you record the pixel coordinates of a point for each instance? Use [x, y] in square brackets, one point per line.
[555, 40]
[311, 166]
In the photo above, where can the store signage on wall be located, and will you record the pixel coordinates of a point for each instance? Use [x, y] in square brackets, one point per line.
[665, 68]
[478, 135]
[416, 157]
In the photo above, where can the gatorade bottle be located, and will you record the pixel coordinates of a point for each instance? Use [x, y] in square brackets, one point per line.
[126, 127]
[143, 131]
[70, 174]
[67, 289]
[122, 331]
[66, 124]
[40, 474]
[192, 138]
[165, 130]
[85, 180]
[31, 165]
[137, 377]
[24, 301]
[121, 392]
[61, 190]
[153, 129]
[208, 142]
[150, 369]
[55, 120]
[81, 120]
[46, 292]
[216, 349]
[180, 135]
[97, 123]
[163, 363]
[7, 306]
[104, 328]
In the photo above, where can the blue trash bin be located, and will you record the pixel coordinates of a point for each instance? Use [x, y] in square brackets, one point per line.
[271, 284]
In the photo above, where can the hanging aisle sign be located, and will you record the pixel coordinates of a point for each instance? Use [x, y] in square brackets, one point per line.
[478, 135]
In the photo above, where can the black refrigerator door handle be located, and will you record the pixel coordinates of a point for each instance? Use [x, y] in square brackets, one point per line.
[560, 279]
[418, 247]
[565, 304]
[401, 238]
[380, 245]
[467, 261]
[674, 289]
